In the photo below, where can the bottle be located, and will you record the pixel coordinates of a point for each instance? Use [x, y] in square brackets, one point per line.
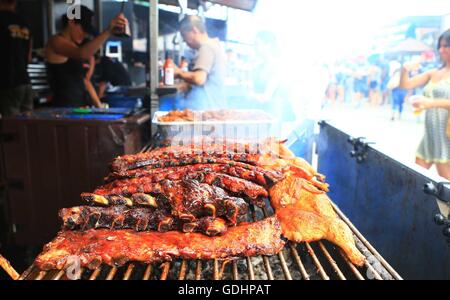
[122, 32]
[160, 72]
[184, 65]
[169, 71]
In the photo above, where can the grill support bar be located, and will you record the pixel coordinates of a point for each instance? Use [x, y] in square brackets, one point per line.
[95, 274]
[316, 262]
[299, 262]
[251, 272]
[198, 270]
[268, 268]
[235, 271]
[366, 243]
[112, 273]
[148, 272]
[331, 261]
[165, 272]
[128, 272]
[182, 274]
[351, 266]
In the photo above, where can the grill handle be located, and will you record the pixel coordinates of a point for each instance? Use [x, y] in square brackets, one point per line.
[4, 263]
[442, 194]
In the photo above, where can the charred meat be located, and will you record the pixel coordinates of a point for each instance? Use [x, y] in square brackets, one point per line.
[138, 219]
[116, 248]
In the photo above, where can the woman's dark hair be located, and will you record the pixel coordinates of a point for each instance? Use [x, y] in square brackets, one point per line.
[85, 18]
[444, 37]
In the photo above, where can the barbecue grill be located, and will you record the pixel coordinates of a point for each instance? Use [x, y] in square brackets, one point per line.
[305, 261]
[319, 260]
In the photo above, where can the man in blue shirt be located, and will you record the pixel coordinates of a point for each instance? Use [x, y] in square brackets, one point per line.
[206, 80]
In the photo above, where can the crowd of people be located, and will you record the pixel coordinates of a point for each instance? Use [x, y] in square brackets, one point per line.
[422, 82]
[372, 82]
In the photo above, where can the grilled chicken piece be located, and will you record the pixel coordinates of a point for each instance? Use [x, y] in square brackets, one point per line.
[294, 167]
[149, 174]
[276, 156]
[306, 215]
[303, 226]
[299, 193]
[116, 248]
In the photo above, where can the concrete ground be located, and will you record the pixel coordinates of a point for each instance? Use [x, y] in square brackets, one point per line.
[398, 139]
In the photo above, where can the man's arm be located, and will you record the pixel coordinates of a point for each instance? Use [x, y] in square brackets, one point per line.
[203, 65]
[197, 77]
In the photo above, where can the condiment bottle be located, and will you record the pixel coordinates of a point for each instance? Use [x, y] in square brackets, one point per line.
[169, 71]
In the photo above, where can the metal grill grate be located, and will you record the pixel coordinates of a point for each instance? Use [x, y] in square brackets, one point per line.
[306, 261]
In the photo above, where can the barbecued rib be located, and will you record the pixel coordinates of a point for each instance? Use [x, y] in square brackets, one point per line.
[115, 217]
[208, 225]
[149, 174]
[226, 148]
[138, 219]
[188, 199]
[137, 199]
[269, 161]
[237, 186]
[115, 248]
[183, 159]
[232, 184]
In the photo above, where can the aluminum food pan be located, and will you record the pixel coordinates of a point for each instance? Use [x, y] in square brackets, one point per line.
[183, 132]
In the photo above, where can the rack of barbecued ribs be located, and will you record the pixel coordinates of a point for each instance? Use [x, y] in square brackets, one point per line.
[192, 202]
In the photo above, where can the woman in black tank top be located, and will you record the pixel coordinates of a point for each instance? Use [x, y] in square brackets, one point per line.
[68, 78]
[67, 83]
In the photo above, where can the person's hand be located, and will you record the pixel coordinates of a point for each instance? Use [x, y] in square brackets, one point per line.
[177, 71]
[118, 23]
[420, 103]
[411, 66]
